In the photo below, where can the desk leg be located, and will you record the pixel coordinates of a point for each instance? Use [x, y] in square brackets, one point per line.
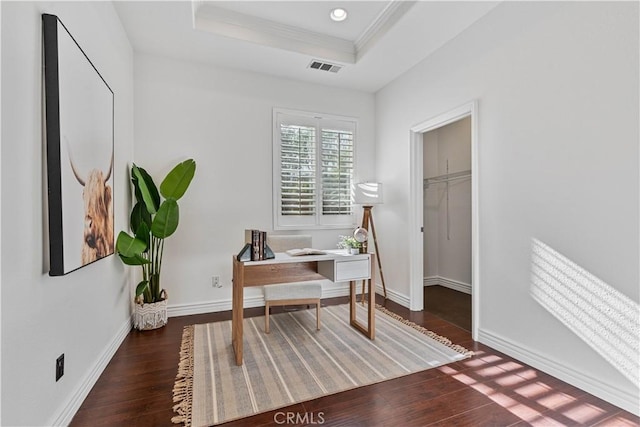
[352, 302]
[237, 307]
[372, 300]
[370, 329]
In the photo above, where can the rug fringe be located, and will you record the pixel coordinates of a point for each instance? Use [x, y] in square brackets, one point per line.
[442, 340]
[183, 387]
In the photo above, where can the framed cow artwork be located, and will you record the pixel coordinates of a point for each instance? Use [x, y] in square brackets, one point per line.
[79, 139]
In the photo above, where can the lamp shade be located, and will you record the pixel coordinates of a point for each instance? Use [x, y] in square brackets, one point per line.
[367, 193]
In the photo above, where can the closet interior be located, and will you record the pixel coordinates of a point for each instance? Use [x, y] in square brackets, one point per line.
[447, 222]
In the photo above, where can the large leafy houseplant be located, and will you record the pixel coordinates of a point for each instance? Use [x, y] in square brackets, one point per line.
[152, 221]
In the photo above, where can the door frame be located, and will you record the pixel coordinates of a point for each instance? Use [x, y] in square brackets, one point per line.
[416, 202]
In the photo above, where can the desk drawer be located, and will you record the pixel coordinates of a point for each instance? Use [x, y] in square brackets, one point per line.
[352, 270]
[345, 268]
[266, 274]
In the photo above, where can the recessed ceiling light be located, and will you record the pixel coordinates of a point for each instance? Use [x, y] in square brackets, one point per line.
[338, 14]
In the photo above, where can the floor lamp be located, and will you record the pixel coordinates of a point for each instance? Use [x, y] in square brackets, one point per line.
[368, 194]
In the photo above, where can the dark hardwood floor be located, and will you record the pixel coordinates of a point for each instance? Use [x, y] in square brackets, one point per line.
[448, 304]
[489, 389]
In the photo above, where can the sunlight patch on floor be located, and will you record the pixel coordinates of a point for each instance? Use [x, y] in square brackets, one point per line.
[509, 380]
[555, 400]
[521, 390]
[531, 391]
[583, 413]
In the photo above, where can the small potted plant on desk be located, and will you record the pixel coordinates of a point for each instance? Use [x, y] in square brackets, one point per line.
[152, 221]
[350, 244]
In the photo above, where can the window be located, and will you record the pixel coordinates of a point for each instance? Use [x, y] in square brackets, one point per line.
[313, 165]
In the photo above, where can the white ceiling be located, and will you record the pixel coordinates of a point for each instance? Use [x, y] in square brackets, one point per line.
[379, 41]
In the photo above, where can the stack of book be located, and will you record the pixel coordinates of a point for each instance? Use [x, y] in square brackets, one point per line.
[255, 248]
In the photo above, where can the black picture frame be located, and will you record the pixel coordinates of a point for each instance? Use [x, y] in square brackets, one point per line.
[79, 115]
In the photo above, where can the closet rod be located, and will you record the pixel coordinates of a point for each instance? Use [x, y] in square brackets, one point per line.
[446, 178]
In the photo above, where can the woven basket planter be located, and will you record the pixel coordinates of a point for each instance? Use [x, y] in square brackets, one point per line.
[151, 315]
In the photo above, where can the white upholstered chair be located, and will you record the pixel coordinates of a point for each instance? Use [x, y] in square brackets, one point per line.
[290, 293]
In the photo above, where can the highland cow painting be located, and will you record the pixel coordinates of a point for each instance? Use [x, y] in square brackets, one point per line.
[79, 138]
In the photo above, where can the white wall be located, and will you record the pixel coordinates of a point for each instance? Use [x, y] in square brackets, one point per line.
[448, 256]
[223, 119]
[557, 89]
[85, 313]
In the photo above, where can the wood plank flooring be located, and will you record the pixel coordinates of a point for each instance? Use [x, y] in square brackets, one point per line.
[448, 304]
[489, 389]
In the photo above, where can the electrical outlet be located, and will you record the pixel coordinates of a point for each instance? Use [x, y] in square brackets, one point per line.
[215, 282]
[59, 367]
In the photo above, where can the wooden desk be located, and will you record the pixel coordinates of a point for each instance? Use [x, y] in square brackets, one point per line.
[335, 266]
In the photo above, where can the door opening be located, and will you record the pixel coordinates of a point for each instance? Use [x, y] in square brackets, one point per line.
[422, 258]
[446, 234]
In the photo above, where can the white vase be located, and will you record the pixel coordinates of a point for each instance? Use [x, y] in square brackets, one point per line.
[354, 251]
[150, 316]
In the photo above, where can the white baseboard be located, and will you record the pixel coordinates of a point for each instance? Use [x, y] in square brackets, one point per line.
[68, 411]
[335, 290]
[328, 291]
[394, 296]
[448, 283]
[176, 310]
[431, 281]
[566, 373]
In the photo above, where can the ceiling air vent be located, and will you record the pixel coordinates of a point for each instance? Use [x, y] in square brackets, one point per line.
[324, 66]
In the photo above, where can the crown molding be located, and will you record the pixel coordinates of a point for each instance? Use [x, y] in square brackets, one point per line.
[228, 23]
[379, 26]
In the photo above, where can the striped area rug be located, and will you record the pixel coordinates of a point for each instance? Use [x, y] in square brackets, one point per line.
[296, 363]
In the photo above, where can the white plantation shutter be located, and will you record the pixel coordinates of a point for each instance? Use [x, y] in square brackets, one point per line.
[337, 171]
[298, 170]
[313, 170]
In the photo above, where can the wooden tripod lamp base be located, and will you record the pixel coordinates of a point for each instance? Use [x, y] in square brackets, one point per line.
[368, 194]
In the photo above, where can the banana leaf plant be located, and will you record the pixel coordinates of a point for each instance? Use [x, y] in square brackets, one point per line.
[152, 221]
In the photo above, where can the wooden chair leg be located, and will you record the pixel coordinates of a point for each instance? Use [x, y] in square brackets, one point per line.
[266, 317]
[318, 315]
